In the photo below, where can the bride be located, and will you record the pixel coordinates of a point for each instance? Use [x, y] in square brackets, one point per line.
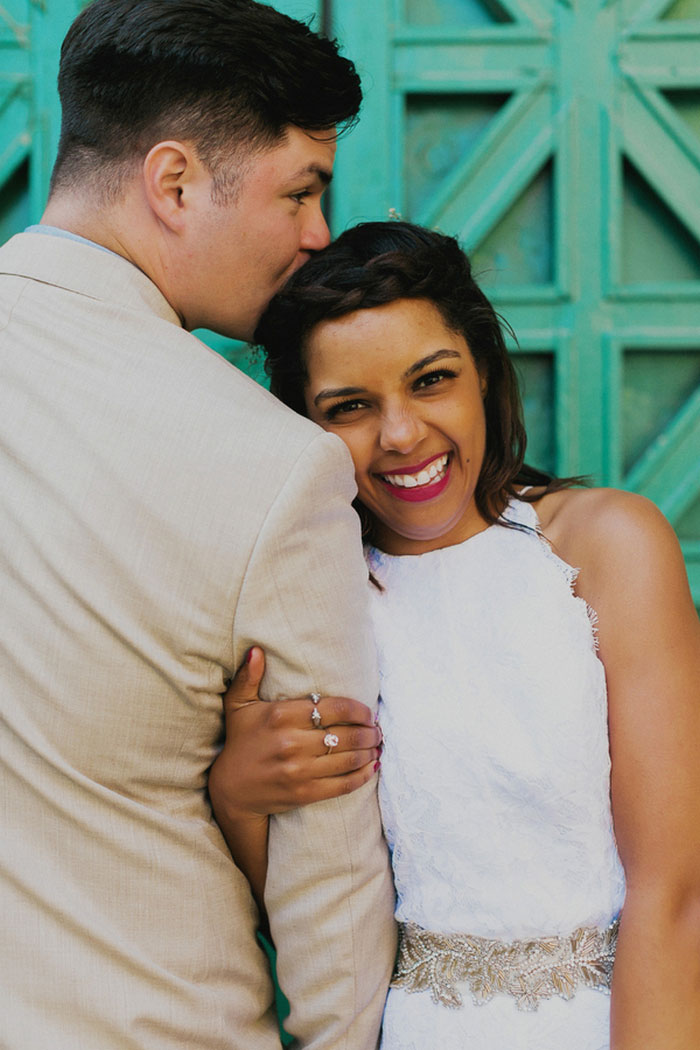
[540, 681]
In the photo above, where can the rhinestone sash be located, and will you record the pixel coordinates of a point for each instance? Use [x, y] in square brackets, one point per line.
[527, 970]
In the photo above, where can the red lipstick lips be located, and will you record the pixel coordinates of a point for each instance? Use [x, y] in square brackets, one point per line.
[418, 493]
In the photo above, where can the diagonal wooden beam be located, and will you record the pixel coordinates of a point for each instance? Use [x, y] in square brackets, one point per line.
[13, 153]
[661, 156]
[539, 12]
[669, 471]
[648, 11]
[12, 31]
[13, 86]
[505, 162]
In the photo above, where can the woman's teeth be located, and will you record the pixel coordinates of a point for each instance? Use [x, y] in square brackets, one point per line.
[435, 472]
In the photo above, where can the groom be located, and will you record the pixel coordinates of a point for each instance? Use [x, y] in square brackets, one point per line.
[159, 513]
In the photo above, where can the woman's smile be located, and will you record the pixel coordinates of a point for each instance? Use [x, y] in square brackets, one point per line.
[422, 482]
[402, 391]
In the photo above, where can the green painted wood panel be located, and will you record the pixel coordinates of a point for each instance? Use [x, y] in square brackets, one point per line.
[560, 140]
[30, 36]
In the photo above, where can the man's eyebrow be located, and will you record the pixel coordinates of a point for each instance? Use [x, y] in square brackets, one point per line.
[344, 391]
[429, 360]
[324, 174]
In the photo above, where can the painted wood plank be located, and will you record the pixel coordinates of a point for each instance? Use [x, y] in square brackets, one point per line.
[669, 471]
[662, 158]
[470, 65]
[538, 12]
[362, 185]
[516, 112]
[505, 169]
[648, 11]
[667, 60]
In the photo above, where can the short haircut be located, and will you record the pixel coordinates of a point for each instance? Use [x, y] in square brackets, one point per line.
[229, 76]
[377, 263]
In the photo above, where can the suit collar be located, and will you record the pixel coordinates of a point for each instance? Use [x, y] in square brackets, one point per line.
[83, 269]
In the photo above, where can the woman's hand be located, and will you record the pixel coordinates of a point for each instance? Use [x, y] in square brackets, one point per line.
[274, 758]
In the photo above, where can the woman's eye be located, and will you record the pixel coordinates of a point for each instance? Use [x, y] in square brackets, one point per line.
[343, 408]
[300, 196]
[431, 378]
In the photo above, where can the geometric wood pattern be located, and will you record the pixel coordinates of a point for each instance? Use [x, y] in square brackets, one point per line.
[30, 35]
[560, 141]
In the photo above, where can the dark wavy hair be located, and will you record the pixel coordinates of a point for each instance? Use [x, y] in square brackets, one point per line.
[223, 74]
[377, 263]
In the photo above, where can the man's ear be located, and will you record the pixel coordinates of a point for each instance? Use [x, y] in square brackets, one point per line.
[172, 172]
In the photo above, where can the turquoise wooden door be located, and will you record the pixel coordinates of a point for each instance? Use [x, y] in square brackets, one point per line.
[560, 140]
[30, 35]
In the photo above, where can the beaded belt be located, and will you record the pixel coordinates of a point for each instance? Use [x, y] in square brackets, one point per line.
[527, 970]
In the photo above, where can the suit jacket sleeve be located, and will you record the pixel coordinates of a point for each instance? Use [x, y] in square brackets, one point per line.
[329, 893]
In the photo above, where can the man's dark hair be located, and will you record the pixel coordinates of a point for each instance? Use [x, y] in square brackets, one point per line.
[377, 263]
[227, 75]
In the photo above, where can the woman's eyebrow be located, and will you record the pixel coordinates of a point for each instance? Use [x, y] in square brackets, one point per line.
[344, 391]
[349, 391]
[429, 361]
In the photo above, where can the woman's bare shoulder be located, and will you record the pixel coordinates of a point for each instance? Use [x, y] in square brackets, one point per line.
[625, 550]
[600, 523]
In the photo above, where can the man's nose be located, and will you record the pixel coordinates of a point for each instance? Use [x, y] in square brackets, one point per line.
[316, 234]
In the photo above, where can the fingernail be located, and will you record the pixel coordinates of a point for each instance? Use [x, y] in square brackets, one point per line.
[377, 764]
[248, 655]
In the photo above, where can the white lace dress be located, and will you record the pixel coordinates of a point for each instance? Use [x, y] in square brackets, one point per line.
[495, 785]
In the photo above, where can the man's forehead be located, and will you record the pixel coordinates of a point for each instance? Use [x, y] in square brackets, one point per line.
[304, 154]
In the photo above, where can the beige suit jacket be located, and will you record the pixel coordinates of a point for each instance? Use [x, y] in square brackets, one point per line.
[159, 512]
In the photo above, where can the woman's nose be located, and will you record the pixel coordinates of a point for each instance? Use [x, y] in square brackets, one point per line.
[401, 431]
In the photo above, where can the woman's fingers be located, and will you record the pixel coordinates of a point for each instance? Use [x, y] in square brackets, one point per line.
[246, 682]
[333, 711]
[344, 740]
[276, 756]
[299, 742]
[341, 710]
[344, 762]
[321, 789]
[313, 771]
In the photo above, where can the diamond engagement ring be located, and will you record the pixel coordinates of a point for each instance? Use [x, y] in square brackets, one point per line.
[331, 741]
[315, 714]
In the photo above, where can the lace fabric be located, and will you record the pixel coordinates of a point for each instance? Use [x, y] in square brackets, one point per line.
[495, 786]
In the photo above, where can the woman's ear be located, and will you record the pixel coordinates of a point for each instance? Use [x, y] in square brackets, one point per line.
[171, 172]
[483, 385]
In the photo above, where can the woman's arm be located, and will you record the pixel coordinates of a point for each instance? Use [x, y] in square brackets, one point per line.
[245, 829]
[275, 759]
[634, 577]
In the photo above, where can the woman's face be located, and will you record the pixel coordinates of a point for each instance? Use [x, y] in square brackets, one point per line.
[402, 391]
